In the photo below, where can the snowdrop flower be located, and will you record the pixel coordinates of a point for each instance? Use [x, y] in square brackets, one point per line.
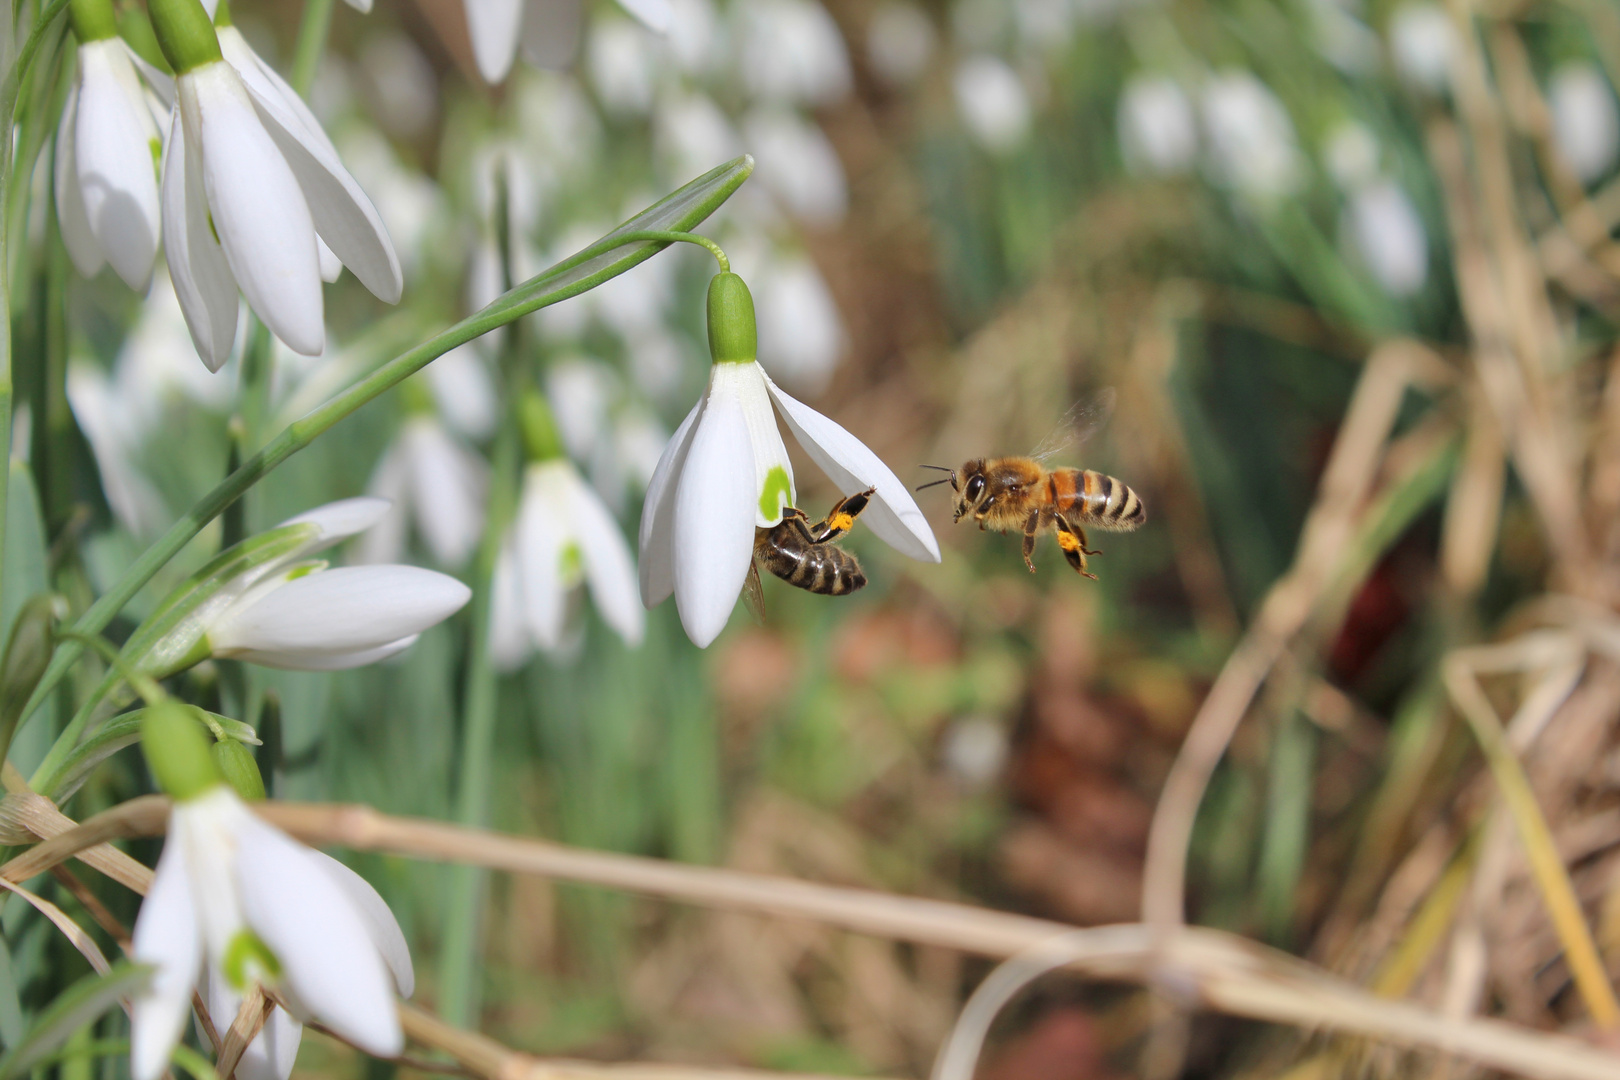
[403, 87]
[431, 480]
[115, 438]
[463, 392]
[690, 134]
[235, 902]
[563, 537]
[1387, 232]
[581, 391]
[900, 40]
[265, 601]
[697, 36]
[1251, 139]
[1585, 121]
[547, 29]
[798, 163]
[1158, 133]
[791, 51]
[1342, 38]
[249, 182]
[726, 472]
[1421, 38]
[622, 67]
[106, 148]
[407, 200]
[800, 333]
[993, 103]
[1352, 155]
[500, 169]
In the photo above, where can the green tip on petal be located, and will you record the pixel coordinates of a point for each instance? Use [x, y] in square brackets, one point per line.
[93, 20]
[733, 338]
[247, 958]
[136, 30]
[540, 435]
[778, 492]
[185, 33]
[177, 751]
[236, 762]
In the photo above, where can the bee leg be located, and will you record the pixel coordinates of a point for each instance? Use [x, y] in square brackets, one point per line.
[1084, 542]
[1074, 548]
[1032, 525]
[841, 518]
[794, 517]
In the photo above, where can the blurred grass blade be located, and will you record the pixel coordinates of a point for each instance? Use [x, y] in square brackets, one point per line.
[28, 651]
[76, 1006]
[11, 1015]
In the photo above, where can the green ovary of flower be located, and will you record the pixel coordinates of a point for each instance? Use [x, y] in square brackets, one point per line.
[571, 564]
[777, 493]
[247, 956]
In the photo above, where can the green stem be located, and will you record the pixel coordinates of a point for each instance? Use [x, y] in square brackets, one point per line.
[312, 31]
[672, 237]
[568, 278]
[46, 775]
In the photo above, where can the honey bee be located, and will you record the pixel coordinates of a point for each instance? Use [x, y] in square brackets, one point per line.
[1005, 493]
[804, 555]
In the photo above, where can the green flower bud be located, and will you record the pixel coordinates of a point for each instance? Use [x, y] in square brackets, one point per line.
[92, 20]
[733, 337]
[540, 436]
[185, 33]
[236, 762]
[177, 751]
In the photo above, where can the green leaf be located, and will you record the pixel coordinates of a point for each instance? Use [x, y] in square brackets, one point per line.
[78, 1005]
[125, 730]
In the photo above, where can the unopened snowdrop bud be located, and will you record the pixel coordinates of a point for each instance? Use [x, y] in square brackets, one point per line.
[1388, 234]
[992, 102]
[1586, 123]
[177, 752]
[1422, 38]
[1158, 133]
[1251, 139]
[726, 472]
[107, 148]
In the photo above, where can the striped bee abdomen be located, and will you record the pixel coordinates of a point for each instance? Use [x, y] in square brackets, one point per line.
[1107, 503]
[819, 568]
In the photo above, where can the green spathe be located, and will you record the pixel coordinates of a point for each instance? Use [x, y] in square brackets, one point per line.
[93, 20]
[177, 751]
[185, 33]
[236, 763]
[733, 337]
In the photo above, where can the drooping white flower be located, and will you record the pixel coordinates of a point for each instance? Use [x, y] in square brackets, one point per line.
[801, 335]
[402, 89]
[115, 437]
[563, 537]
[463, 392]
[790, 51]
[1251, 139]
[1388, 234]
[900, 40]
[235, 902]
[547, 30]
[992, 102]
[1421, 39]
[251, 187]
[697, 36]
[1585, 120]
[726, 472]
[1342, 38]
[434, 482]
[797, 162]
[1158, 132]
[107, 148]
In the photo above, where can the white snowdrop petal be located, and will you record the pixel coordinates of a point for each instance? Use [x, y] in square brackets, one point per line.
[715, 506]
[201, 276]
[993, 102]
[379, 919]
[166, 936]
[325, 659]
[745, 384]
[321, 939]
[656, 540]
[77, 236]
[447, 483]
[852, 466]
[655, 15]
[331, 266]
[114, 141]
[609, 568]
[346, 609]
[362, 6]
[341, 519]
[271, 1054]
[543, 538]
[493, 26]
[390, 481]
[259, 212]
[550, 33]
[508, 637]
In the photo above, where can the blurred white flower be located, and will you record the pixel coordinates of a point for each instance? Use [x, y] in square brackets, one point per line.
[402, 90]
[434, 482]
[563, 536]
[639, 297]
[791, 51]
[1351, 155]
[407, 199]
[1250, 137]
[464, 392]
[800, 333]
[622, 66]
[639, 439]
[547, 30]
[1586, 123]
[157, 363]
[658, 362]
[107, 145]
[992, 102]
[697, 36]
[1388, 234]
[1421, 38]
[559, 124]
[798, 163]
[1044, 25]
[1158, 132]
[496, 167]
[900, 40]
[115, 436]
[974, 750]
[691, 135]
[1342, 38]
[581, 392]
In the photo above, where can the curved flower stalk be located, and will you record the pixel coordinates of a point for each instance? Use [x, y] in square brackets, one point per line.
[434, 482]
[547, 30]
[249, 182]
[726, 472]
[107, 147]
[235, 902]
[563, 537]
[265, 601]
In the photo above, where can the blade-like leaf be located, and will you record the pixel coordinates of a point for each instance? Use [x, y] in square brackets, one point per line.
[78, 1005]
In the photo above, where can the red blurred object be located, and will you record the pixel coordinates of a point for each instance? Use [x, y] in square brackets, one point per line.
[1062, 1045]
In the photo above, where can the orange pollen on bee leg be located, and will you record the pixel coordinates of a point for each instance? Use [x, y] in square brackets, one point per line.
[842, 522]
[1068, 541]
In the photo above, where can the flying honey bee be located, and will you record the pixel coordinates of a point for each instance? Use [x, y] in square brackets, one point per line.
[804, 555]
[1005, 493]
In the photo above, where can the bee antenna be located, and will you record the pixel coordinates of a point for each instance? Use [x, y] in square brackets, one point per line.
[941, 468]
[933, 483]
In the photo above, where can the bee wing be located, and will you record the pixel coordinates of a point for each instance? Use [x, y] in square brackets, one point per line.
[1083, 420]
[754, 594]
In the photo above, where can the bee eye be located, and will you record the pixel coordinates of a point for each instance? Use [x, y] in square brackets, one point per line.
[975, 488]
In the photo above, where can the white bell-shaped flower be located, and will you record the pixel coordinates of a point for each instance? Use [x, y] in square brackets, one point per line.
[107, 147]
[1387, 232]
[993, 103]
[548, 30]
[726, 472]
[434, 483]
[801, 334]
[1585, 119]
[1422, 39]
[1158, 133]
[799, 165]
[1252, 146]
[792, 51]
[251, 189]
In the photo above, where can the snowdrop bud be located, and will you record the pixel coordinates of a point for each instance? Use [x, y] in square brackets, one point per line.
[1422, 39]
[237, 766]
[1352, 155]
[185, 33]
[1388, 233]
[1157, 130]
[540, 436]
[993, 103]
[1586, 125]
[733, 334]
[1251, 139]
[900, 40]
[177, 751]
